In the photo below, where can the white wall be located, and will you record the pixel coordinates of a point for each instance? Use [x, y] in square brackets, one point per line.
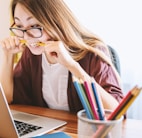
[4, 18]
[119, 24]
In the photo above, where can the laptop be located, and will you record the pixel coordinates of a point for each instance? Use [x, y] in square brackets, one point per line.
[32, 125]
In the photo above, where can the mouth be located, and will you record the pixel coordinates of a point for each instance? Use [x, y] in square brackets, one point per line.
[34, 44]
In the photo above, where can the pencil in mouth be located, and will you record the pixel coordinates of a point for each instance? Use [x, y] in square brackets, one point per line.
[32, 44]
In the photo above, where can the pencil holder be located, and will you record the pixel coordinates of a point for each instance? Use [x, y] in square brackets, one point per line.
[89, 128]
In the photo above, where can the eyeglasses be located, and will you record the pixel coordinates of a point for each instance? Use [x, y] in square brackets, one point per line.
[35, 32]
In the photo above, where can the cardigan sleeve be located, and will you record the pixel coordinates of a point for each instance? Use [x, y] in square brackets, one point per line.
[104, 76]
[28, 80]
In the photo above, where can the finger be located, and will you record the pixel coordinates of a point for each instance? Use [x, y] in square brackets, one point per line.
[54, 54]
[6, 44]
[22, 47]
[17, 41]
[13, 42]
[2, 45]
[18, 44]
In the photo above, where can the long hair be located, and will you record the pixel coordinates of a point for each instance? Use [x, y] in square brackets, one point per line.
[60, 24]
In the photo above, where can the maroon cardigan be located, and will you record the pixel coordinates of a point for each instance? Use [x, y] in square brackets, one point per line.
[28, 80]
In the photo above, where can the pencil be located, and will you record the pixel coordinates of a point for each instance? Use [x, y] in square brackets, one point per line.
[103, 132]
[82, 97]
[85, 97]
[128, 104]
[98, 101]
[113, 115]
[91, 100]
[38, 43]
[123, 107]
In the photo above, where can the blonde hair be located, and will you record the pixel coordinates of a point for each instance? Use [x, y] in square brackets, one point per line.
[60, 24]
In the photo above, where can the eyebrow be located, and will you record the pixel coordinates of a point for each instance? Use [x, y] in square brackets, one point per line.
[27, 18]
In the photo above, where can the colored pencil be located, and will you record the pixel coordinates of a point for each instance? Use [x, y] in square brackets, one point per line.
[85, 97]
[120, 110]
[91, 100]
[82, 97]
[98, 101]
[114, 114]
[128, 104]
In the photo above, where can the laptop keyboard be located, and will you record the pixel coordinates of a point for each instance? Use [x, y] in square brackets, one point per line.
[24, 128]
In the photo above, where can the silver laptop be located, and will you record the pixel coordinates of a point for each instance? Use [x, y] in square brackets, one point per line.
[32, 125]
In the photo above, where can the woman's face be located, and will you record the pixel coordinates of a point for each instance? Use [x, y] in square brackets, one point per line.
[25, 20]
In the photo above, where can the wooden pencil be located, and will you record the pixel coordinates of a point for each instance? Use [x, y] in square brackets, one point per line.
[113, 115]
[91, 100]
[98, 99]
[38, 43]
[128, 104]
[82, 97]
[120, 110]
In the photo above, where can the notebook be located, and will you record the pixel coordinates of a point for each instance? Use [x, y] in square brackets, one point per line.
[32, 125]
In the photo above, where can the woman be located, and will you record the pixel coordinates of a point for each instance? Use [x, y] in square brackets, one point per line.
[42, 77]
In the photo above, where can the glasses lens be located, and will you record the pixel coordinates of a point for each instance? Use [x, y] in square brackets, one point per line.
[34, 32]
[17, 32]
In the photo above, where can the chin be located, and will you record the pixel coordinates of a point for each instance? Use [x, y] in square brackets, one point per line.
[36, 50]
[36, 54]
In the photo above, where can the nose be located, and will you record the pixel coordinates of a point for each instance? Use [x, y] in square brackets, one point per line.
[26, 36]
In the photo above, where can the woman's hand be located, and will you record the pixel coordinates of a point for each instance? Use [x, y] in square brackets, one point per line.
[8, 48]
[11, 45]
[56, 52]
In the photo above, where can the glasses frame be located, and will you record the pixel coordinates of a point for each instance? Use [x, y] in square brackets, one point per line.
[25, 30]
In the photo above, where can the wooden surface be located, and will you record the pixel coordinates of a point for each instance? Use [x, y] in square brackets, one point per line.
[131, 128]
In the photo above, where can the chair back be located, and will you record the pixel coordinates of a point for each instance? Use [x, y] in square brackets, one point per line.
[115, 58]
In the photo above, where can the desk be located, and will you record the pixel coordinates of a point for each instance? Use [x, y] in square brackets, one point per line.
[131, 127]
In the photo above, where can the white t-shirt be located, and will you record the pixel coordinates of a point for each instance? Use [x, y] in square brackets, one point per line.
[54, 87]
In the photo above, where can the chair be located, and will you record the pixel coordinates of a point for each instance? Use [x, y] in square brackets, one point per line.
[115, 58]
